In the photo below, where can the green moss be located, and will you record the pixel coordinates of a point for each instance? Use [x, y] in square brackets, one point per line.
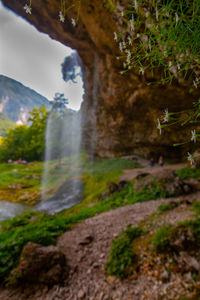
[196, 207]
[106, 165]
[168, 206]
[16, 233]
[161, 238]
[196, 229]
[122, 256]
[133, 232]
[188, 173]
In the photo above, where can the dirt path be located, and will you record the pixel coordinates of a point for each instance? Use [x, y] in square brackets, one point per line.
[87, 247]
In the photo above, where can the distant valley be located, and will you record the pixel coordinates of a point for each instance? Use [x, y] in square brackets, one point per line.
[16, 100]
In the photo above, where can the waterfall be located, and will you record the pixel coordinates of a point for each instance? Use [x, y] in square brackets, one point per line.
[61, 182]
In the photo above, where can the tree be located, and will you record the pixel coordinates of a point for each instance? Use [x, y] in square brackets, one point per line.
[59, 103]
[26, 142]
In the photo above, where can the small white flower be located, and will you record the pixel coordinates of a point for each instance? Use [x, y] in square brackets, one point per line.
[193, 138]
[122, 13]
[128, 59]
[156, 13]
[150, 46]
[159, 126]
[124, 45]
[73, 22]
[167, 14]
[190, 158]
[170, 64]
[178, 66]
[176, 17]
[195, 83]
[27, 8]
[115, 36]
[135, 4]
[141, 71]
[138, 35]
[121, 46]
[132, 25]
[61, 17]
[166, 116]
[130, 40]
[129, 54]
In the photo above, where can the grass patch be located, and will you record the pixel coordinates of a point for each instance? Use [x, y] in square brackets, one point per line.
[44, 229]
[188, 173]
[16, 181]
[196, 208]
[16, 233]
[122, 256]
[106, 165]
[161, 238]
[168, 206]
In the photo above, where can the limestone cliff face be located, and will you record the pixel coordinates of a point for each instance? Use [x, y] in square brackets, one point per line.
[119, 111]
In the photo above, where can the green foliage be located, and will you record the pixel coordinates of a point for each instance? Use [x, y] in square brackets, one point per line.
[133, 232]
[26, 142]
[196, 229]
[40, 228]
[101, 171]
[102, 165]
[161, 238]
[122, 256]
[19, 180]
[109, 5]
[188, 173]
[167, 36]
[19, 231]
[196, 207]
[130, 196]
[168, 206]
[5, 124]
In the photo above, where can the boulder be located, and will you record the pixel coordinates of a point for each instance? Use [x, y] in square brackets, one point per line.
[39, 264]
[168, 181]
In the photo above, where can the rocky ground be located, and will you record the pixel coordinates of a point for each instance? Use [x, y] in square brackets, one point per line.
[86, 248]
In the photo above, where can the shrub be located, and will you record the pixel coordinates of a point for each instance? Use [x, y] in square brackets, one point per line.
[197, 208]
[168, 206]
[122, 256]
[133, 232]
[188, 173]
[161, 238]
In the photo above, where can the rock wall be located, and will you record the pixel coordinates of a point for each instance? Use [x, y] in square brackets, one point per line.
[119, 111]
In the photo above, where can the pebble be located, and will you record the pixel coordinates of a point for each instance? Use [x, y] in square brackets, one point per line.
[81, 294]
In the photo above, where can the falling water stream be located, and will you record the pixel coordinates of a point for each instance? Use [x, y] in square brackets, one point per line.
[61, 183]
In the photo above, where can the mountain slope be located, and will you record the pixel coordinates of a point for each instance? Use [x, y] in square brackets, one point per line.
[16, 100]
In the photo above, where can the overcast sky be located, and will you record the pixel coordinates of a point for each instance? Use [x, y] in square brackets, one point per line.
[34, 59]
